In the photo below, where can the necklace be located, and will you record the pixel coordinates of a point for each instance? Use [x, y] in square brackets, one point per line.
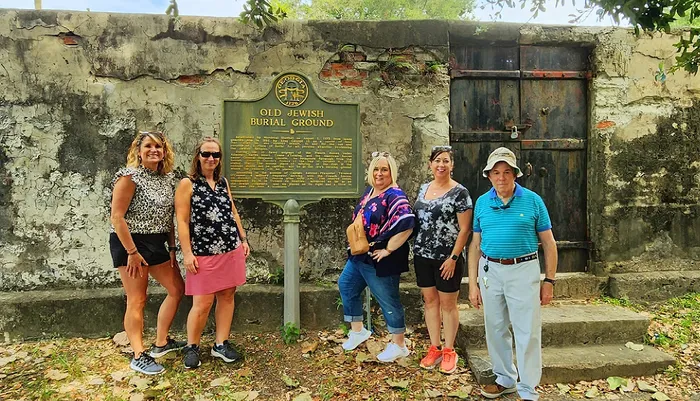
[436, 190]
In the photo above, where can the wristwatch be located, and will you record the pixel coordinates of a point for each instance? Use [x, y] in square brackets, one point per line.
[550, 281]
[454, 257]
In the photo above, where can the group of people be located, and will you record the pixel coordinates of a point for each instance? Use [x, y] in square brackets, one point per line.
[508, 224]
[142, 243]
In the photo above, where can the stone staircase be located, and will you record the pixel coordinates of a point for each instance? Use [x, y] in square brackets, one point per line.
[580, 341]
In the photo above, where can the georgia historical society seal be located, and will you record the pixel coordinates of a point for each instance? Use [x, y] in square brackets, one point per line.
[291, 90]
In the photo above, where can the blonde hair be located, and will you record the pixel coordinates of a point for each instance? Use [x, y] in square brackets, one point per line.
[392, 168]
[196, 166]
[164, 166]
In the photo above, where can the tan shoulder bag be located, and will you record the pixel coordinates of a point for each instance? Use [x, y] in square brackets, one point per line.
[356, 235]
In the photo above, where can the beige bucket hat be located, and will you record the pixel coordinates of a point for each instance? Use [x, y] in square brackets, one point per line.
[502, 155]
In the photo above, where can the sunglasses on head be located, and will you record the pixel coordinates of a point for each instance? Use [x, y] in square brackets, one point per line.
[443, 148]
[157, 134]
[216, 155]
[377, 154]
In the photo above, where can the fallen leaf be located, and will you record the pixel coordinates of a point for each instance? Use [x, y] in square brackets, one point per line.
[221, 381]
[238, 396]
[633, 346]
[361, 357]
[462, 393]
[404, 362]
[659, 396]
[97, 381]
[54, 374]
[151, 394]
[120, 375]
[374, 347]
[253, 395]
[429, 393]
[289, 381]
[203, 397]
[140, 383]
[6, 360]
[165, 384]
[629, 387]
[592, 392]
[121, 339]
[308, 346]
[615, 382]
[397, 383]
[646, 387]
[303, 397]
[136, 397]
[563, 388]
[244, 372]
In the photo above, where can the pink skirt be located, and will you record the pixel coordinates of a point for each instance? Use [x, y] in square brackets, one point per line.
[217, 272]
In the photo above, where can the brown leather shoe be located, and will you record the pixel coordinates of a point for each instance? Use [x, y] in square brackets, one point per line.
[496, 390]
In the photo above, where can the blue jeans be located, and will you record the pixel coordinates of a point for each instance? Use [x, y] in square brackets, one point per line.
[353, 280]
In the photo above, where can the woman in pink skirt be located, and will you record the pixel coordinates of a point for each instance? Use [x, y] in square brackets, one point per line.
[214, 247]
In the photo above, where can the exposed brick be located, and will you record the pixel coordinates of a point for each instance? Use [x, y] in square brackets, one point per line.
[605, 124]
[355, 83]
[326, 73]
[341, 66]
[190, 79]
[70, 41]
[353, 56]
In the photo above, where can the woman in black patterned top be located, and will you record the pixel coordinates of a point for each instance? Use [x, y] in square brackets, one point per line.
[444, 214]
[142, 224]
[214, 247]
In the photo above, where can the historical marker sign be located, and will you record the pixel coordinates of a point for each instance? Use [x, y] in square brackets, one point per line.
[292, 144]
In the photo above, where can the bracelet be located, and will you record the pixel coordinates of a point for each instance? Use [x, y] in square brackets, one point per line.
[132, 252]
[388, 250]
[172, 248]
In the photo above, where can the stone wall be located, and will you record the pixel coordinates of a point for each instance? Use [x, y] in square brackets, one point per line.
[76, 87]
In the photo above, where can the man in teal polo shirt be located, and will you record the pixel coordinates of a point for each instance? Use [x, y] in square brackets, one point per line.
[509, 221]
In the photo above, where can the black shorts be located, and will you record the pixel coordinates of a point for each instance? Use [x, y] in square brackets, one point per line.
[428, 274]
[153, 248]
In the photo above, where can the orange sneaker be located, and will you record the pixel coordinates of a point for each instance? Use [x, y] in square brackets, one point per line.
[449, 361]
[433, 357]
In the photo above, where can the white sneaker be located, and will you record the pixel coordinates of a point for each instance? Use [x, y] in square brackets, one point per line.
[392, 353]
[356, 338]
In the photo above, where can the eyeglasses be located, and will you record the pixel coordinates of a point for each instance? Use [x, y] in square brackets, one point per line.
[206, 155]
[377, 154]
[443, 148]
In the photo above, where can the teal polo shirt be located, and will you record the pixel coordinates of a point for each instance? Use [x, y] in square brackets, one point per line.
[509, 231]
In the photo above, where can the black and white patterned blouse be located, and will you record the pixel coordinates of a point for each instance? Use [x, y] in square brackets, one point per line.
[153, 204]
[213, 231]
[438, 227]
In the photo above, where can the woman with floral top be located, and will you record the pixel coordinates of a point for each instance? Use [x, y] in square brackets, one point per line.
[388, 221]
[444, 214]
[214, 247]
[142, 223]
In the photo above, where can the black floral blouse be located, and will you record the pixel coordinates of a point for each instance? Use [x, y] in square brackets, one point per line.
[438, 226]
[213, 230]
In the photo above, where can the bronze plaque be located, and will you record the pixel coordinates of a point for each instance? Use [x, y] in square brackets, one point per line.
[292, 144]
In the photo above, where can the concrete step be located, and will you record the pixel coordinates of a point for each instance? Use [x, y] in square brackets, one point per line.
[586, 362]
[569, 286]
[653, 286]
[567, 324]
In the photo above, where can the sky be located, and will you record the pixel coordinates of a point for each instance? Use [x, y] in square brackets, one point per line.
[232, 8]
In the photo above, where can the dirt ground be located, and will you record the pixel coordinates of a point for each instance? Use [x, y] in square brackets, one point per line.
[314, 368]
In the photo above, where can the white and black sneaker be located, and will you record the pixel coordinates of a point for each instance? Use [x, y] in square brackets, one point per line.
[226, 352]
[146, 364]
[191, 358]
[170, 345]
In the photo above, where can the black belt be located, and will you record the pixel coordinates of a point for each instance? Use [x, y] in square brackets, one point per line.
[511, 261]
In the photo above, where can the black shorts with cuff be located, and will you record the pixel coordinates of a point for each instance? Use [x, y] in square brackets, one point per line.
[428, 274]
[152, 247]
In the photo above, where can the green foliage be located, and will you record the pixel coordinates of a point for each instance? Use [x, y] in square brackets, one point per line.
[378, 9]
[277, 276]
[624, 302]
[338, 303]
[290, 333]
[345, 329]
[262, 13]
[172, 10]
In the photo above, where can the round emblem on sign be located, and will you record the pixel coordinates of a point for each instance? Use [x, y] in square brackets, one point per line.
[291, 90]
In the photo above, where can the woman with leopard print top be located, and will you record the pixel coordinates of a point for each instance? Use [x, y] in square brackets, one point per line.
[142, 223]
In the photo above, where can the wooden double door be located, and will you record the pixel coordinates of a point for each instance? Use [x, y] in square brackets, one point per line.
[534, 101]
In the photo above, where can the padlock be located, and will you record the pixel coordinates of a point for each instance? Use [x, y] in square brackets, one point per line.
[514, 132]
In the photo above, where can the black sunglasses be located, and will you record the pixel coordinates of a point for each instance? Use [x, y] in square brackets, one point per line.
[216, 155]
[442, 148]
[377, 154]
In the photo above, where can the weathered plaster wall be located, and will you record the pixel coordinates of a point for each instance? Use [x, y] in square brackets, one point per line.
[76, 86]
[645, 157]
